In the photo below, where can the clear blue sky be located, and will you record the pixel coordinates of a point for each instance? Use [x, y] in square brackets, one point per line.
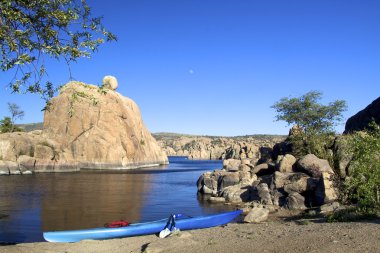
[216, 67]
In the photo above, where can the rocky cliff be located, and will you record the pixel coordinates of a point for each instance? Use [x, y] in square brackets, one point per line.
[212, 147]
[362, 119]
[84, 127]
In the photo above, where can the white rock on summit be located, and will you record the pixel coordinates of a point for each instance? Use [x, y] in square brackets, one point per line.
[110, 82]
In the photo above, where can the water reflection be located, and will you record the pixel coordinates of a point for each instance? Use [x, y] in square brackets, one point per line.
[90, 200]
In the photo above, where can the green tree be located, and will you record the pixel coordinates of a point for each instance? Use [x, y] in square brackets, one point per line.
[306, 112]
[32, 30]
[6, 126]
[315, 120]
[16, 113]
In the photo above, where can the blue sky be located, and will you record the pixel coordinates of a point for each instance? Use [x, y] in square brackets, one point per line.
[216, 67]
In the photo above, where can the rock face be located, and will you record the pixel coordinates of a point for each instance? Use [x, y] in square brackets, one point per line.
[21, 153]
[201, 147]
[362, 119]
[84, 127]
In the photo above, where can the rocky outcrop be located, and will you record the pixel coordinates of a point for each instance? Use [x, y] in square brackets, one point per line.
[362, 119]
[210, 147]
[22, 153]
[291, 184]
[84, 127]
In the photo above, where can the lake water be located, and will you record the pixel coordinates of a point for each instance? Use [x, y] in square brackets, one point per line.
[31, 204]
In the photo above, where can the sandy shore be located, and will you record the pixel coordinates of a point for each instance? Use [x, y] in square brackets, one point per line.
[272, 236]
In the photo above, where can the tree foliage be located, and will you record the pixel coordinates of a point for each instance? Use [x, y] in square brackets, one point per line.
[314, 120]
[16, 113]
[309, 114]
[6, 126]
[33, 29]
[312, 143]
[363, 185]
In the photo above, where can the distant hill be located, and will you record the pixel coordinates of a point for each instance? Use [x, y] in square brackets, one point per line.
[167, 136]
[31, 126]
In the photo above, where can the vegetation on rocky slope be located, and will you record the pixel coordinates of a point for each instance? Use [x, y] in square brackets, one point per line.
[363, 184]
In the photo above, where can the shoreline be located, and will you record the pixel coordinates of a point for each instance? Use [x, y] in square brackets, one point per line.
[78, 166]
[273, 236]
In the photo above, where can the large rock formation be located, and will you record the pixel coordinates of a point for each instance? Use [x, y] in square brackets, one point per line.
[214, 147]
[83, 127]
[100, 129]
[362, 119]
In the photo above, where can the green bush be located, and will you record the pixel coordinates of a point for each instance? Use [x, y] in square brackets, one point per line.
[312, 143]
[6, 126]
[351, 214]
[363, 184]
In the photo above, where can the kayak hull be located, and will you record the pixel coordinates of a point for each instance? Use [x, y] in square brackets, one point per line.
[136, 229]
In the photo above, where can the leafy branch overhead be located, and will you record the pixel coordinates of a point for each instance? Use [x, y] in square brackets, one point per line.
[31, 30]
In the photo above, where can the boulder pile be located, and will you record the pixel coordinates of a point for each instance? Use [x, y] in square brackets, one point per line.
[286, 182]
[362, 120]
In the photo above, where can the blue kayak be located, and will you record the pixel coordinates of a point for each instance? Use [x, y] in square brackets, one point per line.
[140, 228]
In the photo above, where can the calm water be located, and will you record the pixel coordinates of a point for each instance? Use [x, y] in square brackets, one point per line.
[31, 204]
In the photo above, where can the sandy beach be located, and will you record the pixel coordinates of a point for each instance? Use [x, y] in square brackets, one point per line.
[271, 236]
